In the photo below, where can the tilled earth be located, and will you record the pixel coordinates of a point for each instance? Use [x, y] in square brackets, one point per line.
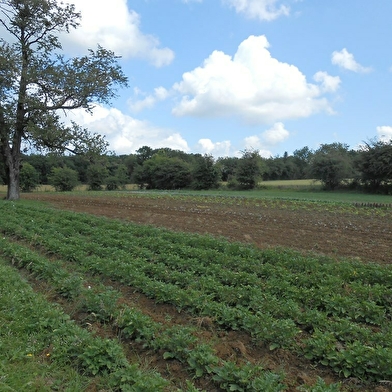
[361, 232]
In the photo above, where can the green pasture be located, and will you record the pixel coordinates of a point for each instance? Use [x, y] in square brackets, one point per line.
[282, 189]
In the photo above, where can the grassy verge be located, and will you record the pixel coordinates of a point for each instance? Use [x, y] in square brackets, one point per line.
[288, 189]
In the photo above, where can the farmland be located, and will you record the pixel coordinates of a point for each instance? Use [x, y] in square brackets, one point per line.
[174, 292]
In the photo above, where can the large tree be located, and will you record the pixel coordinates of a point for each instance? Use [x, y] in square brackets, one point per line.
[332, 164]
[374, 163]
[38, 82]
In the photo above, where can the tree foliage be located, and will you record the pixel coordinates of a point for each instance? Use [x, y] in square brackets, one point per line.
[29, 178]
[96, 176]
[63, 179]
[375, 165]
[332, 165]
[205, 174]
[249, 169]
[37, 82]
[163, 172]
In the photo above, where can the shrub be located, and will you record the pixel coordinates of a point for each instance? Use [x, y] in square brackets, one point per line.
[96, 175]
[63, 179]
[29, 178]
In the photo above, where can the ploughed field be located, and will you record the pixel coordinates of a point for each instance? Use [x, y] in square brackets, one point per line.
[143, 308]
[329, 228]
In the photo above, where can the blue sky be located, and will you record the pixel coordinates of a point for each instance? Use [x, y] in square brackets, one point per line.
[221, 76]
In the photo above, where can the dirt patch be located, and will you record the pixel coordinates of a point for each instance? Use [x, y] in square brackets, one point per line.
[327, 231]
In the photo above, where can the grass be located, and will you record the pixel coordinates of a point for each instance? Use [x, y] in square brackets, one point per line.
[288, 189]
[26, 363]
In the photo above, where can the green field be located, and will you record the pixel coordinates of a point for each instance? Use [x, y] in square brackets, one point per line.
[335, 315]
[285, 189]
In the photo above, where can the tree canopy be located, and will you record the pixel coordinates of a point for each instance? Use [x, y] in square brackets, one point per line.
[38, 82]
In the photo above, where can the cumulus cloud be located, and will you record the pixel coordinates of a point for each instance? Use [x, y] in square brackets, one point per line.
[329, 84]
[252, 85]
[346, 60]
[275, 135]
[114, 26]
[124, 133]
[136, 105]
[384, 133]
[217, 149]
[259, 9]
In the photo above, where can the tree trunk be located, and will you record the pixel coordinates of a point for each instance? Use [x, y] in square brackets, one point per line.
[13, 171]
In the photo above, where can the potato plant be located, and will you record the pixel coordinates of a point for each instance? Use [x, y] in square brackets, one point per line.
[334, 313]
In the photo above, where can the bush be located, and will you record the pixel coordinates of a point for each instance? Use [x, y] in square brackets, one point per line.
[332, 165]
[162, 172]
[249, 170]
[113, 183]
[205, 174]
[96, 175]
[63, 179]
[29, 178]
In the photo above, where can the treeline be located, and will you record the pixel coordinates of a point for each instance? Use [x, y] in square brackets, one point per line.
[335, 165]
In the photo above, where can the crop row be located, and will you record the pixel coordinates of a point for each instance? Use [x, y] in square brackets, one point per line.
[178, 342]
[289, 203]
[272, 295]
[52, 332]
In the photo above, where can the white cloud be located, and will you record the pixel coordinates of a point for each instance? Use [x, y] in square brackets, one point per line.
[346, 60]
[126, 134]
[259, 9]
[384, 133]
[114, 26]
[252, 85]
[275, 135]
[218, 149]
[329, 84]
[254, 143]
[160, 94]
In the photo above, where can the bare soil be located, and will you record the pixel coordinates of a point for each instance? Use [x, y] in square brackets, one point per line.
[362, 233]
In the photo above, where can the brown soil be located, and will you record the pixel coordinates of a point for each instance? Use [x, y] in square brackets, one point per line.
[363, 234]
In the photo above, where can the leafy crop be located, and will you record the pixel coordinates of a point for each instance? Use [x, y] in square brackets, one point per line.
[335, 314]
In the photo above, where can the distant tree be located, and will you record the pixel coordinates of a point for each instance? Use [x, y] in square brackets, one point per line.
[112, 183]
[118, 179]
[143, 154]
[41, 164]
[249, 170]
[130, 161]
[205, 174]
[63, 179]
[374, 163]
[37, 82]
[332, 164]
[29, 177]
[162, 172]
[96, 176]
[274, 169]
[302, 158]
[121, 173]
[81, 163]
[227, 167]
